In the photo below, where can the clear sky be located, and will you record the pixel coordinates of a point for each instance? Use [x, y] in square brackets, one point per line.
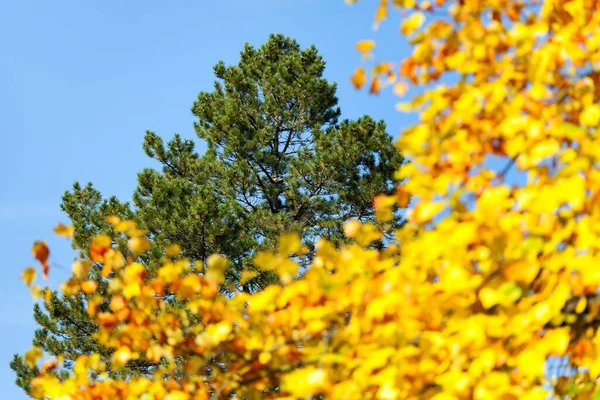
[80, 82]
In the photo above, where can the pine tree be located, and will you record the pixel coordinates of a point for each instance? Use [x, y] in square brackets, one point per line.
[278, 159]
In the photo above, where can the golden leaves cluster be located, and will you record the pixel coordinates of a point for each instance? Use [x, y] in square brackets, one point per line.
[505, 190]
[491, 288]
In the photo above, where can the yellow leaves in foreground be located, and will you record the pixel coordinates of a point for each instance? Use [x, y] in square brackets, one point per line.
[486, 282]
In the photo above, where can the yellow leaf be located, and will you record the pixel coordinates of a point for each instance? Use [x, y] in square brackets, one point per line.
[216, 262]
[102, 240]
[556, 341]
[286, 270]
[388, 392]
[177, 395]
[36, 292]
[173, 250]
[121, 357]
[544, 149]
[425, 211]
[219, 332]
[138, 245]
[530, 363]
[352, 228]
[247, 276]
[382, 68]
[581, 305]
[365, 46]
[400, 89]
[405, 107]
[32, 356]
[489, 297]
[47, 295]
[413, 23]
[590, 116]
[539, 91]
[381, 13]
[216, 268]
[359, 78]
[64, 230]
[125, 226]
[113, 220]
[444, 396]
[28, 275]
[264, 300]
[289, 243]
[81, 268]
[70, 287]
[542, 312]
[384, 207]
[264, 357]
[305, 382]
[132, 289]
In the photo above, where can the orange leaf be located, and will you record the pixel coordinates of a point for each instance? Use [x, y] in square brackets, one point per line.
[359, 78]
[89, 286]
[107, 320]
[97, 252]
[402, 197]
[48, 366]
[100, 245]
[375, 86]
[41, 252]
[524, 272]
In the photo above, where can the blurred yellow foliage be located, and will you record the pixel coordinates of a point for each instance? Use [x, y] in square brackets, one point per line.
[487, 280]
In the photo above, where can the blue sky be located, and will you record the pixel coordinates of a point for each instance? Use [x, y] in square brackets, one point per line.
[82, 80]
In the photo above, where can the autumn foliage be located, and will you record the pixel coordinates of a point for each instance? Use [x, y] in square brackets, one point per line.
[490, 289]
